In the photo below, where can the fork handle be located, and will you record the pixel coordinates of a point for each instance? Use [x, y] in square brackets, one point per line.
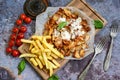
[108, 57]
[83, 74]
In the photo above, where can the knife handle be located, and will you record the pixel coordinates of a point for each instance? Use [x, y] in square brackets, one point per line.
[108, 57]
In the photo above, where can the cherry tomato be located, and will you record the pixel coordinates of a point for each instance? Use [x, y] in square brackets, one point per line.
[20, 35]
[15, 53]
[18, 22]
[23, 29]
[18, 42]
[8, 50]
[27, 20]
[22, 16]
[11, 43]
[15, 30]
[13, 36]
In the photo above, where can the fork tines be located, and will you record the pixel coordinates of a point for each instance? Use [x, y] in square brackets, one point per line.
[114, 27]
[102, 41]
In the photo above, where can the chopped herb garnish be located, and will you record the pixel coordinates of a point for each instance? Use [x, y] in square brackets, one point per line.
[61, 25]
[54, 77]
[21, 66]
[98, 24]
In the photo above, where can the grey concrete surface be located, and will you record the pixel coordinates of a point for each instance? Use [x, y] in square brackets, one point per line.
[109, 9]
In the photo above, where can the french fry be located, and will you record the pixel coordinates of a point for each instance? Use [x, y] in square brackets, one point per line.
[49, 57]
[33, 61]
[41, 59]
[52, 49]
[44, 46]
[51, 45]
[35, 45]
[34, 50]
[31, 46]
[56, 63]
[45, 60]
[54, 56]
[39, 53]
[39, 63]
[35, 37]
[47, 50]
[47, 37]
[42, 54]
[48, 54]
[51, 70]
[51, 64]
[26, 41]
[27, 55]
[39, 45]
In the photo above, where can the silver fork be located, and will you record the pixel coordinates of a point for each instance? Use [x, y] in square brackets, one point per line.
[98, 49]
[113, 34]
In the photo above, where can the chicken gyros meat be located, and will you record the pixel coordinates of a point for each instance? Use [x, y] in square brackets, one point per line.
[72, 31]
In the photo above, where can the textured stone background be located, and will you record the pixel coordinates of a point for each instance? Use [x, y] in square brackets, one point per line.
[109, 9]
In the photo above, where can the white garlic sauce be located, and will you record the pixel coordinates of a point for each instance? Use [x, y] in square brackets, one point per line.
[75, 29]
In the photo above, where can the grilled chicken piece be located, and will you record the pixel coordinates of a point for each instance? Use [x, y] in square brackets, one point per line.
[58, 42]
[67, 12]
[52, 21]
[56, 17]
[66, 42]
[72, 45]
[74, 16]
[78, 47]
[87, 28]
[87, 37]
[50, 32]
[72, 50]
[76, 54]
[84, 46]
[63, 52]
[85, 25]
[82, 53]
[67, 53]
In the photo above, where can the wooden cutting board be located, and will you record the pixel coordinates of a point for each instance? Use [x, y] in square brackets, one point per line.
[85, 7]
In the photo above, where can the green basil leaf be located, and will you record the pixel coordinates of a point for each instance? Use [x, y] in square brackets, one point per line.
[54, 77]
[61, 25]
[98, 24]
[21, 66]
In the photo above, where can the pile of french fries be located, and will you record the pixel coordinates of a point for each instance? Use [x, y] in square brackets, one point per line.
[42, 54]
